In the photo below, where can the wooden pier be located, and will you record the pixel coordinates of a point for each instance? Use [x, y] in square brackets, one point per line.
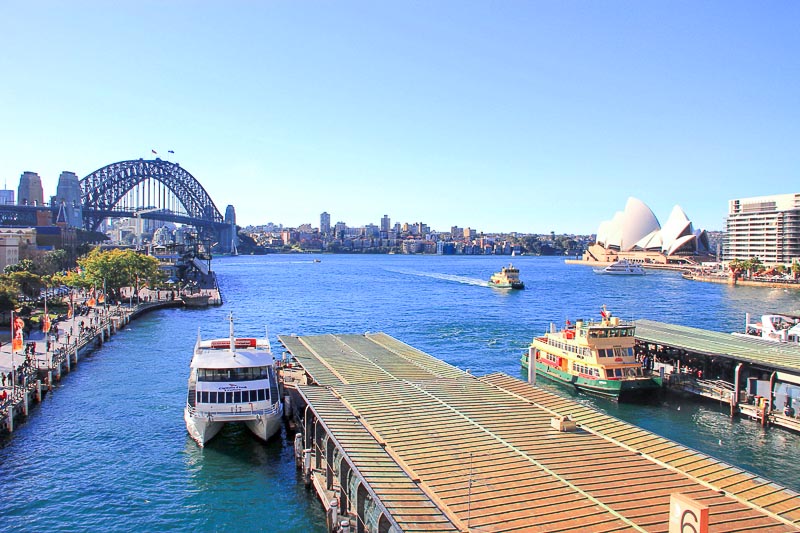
[396, 440]
[739, 359]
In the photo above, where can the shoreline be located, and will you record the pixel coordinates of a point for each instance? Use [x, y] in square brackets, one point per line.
[39, 371]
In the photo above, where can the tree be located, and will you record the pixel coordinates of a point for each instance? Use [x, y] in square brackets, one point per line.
[29, 283]
[9, 292]
[25, 265]
[54, 261]
[117, 269]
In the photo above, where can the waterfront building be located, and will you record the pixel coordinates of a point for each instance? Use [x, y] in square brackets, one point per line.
[9, 250]
[325, 224]
[767, 227]
[386, 224]
[30, 190]
[636, 234]
[339, 230]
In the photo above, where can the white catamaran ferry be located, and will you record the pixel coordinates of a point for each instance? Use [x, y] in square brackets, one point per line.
[232, 380]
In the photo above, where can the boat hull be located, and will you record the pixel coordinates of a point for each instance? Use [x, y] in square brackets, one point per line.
[201, 429]
[516, 286]
[610, 388]
[264, 427]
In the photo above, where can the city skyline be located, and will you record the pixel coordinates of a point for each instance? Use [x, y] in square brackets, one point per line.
[526, 117]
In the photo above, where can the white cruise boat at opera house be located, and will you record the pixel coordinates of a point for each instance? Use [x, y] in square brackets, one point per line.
[623, 267]
[232, 380]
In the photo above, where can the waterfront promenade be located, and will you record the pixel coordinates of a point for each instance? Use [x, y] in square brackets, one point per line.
[29, 373]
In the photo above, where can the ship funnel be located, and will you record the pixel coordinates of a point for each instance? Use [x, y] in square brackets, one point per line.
[578, 324]
[615, 321]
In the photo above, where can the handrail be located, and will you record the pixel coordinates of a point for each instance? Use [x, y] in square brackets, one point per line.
[274, 409]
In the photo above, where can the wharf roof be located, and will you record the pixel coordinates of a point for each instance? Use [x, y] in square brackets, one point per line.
[442, 450]
[764, 353]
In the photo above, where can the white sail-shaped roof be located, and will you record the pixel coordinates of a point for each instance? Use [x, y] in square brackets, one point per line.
[637, 228]
[628, 227]
[677, 226]
[682, 242]
[639, 222]
[651, 241]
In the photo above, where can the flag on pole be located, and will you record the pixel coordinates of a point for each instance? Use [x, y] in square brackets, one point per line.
[16, 332]
[46, 318]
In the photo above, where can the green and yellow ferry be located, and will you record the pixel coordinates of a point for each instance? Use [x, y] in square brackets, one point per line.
[595, 356]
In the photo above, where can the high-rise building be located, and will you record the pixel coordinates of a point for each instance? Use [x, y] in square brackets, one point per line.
[30, 189]
[386, 224]
[68, 198]
[766, 227]
[325, 224]
[7, 197]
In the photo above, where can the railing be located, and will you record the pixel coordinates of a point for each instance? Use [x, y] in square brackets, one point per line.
[273, 410]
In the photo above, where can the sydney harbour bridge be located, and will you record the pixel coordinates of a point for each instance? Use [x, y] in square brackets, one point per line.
[147, 189]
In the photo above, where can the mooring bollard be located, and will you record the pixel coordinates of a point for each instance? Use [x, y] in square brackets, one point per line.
[307, 466]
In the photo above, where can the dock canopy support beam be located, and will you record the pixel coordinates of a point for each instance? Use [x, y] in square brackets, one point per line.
[735, 395]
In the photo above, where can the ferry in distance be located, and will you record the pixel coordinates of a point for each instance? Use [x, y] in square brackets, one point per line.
[623, 267]
[507, 278]
[594, 356]
[232, 380]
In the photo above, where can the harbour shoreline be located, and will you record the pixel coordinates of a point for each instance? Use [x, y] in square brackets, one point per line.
[41, 368]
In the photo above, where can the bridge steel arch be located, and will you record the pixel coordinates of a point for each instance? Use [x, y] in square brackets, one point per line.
[103, 188]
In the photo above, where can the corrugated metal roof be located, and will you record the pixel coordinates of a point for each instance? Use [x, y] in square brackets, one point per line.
[484, 454]
[774, 355]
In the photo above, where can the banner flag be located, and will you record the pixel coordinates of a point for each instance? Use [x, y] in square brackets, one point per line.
[17, 325]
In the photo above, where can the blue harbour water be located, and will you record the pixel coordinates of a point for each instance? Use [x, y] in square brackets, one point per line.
[109, 450]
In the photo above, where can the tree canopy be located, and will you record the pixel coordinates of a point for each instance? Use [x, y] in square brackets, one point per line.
[115, 268]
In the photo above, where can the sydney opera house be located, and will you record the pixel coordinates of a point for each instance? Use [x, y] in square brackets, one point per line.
[636, 235]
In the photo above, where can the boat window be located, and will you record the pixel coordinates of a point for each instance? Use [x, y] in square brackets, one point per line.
[203, 397]
[228, 397]
[618, 372]
[232, 374]
[212, 397]
[609, 372]
[262, 394]
[237, 397]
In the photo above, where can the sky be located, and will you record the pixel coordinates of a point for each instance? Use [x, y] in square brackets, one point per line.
[524, 116]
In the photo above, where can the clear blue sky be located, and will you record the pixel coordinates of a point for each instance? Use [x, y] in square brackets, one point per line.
[502, 116]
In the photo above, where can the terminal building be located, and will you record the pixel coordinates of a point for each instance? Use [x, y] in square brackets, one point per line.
[766, 227]
[635, 234]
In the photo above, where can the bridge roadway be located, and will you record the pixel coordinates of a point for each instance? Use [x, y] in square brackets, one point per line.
[406, 441]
